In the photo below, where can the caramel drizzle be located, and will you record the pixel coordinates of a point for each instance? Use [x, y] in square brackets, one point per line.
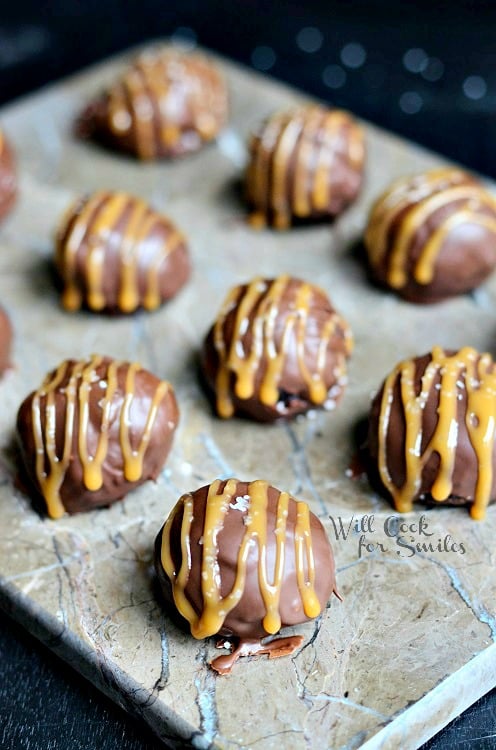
[420, 198]
[96, 228]
[215, 607]
[466, 370]
[83, 378]
[258, 309]
[139, 103]
[293, 137]
[2, 141]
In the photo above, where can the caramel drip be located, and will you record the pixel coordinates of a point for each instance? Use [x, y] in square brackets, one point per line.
[419, 200]
[2, 142]
[258, 309]
[215, 607]
[290, 172]
[97, 227]
[82, 379]
[466, 371]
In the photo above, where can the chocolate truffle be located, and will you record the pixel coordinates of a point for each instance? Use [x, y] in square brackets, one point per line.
[5, 341]
[278, 348]
[8, 181]
[166, 103]
[116, 254]
[432, 236]
[241, 560]
[305, 163]
[94, 430]
[432, 431]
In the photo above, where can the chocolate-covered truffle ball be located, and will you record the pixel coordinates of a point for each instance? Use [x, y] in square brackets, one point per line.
[432, 431]
[5, 341]
[8, 181]
[166, 103]
[241, 560]
[305, 163]
[277, 349]
[116, 254]
[94, 430]
[432, 236]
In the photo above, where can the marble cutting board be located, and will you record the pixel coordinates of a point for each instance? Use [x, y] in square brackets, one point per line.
[412, 644]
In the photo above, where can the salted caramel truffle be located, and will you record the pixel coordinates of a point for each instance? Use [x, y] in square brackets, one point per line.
[241, 560]
[5, 341]
[304, 163]
[116, 254]
[432, 236]
[277, 349]
[8, 180]
[94, 430]
[166, 103]
[432, 431]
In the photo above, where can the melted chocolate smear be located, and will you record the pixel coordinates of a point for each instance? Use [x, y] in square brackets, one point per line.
[274, 649]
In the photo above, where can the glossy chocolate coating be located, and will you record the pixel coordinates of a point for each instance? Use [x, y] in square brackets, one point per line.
[5, 341]
[466, 465]
[305, 163]
[69, 390]
[245, 620]
[317, 356]
[438, 230]
[116, 254]
[8, 180]
[165, 104]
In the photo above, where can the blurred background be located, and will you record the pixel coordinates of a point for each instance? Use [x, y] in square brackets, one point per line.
[423, 69]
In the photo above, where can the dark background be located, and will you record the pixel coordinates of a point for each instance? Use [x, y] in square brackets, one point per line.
[426, 70]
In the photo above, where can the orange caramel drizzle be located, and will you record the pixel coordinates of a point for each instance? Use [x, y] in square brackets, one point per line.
[215, 607]
[83, 378]
[468, 371]
[114, 220]
[141, 103]
[261, 303]
[419, 198]
[304, 141]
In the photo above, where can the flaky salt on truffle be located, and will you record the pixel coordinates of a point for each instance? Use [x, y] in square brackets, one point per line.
[432, 430]
[432, 236]
[277, 349]
[94, 430]
[116, 254]
[242, 560]
[304, 163]
[166, 103]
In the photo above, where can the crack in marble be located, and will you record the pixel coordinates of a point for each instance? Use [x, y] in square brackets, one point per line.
[301, 467]
[43, 569]
[477, 608]
[214, 452]
[303, 693]
[163, 678]
[206, 700]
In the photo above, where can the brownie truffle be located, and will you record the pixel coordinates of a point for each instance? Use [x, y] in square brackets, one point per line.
[5, 341]
[241, 560]
[166, 103]
[8, 181]
[94, 430]
[277, 349]
[432, 431]
[116, 254]
[304, 163]
[432, 236]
